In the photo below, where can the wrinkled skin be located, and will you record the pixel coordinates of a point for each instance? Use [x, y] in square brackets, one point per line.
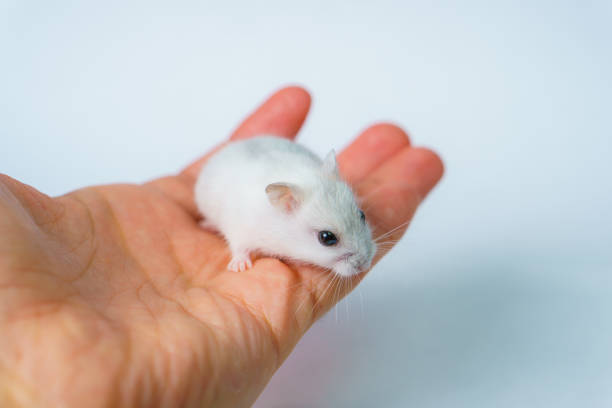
[113, 296]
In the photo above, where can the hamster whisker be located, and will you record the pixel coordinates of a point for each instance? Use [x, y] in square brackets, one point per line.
[320, 275]
[300, 284]
[303, 302]
[335, 286]
[383, 247]
[334, 301]
[382, 251]
[337, 294]
[345, 287]
[361, 302]
[329, 284]
[348, 305]
[387, 245]
[391, 231]
[391, 241]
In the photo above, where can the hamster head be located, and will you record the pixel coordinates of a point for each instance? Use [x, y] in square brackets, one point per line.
[327, 226]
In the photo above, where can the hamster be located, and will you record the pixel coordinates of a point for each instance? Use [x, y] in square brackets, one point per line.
[275, 197]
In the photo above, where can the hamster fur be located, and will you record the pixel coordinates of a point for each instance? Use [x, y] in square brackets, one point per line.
[273, 196]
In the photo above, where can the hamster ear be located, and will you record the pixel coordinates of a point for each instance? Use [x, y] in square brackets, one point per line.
[330, 165]
[284, 196]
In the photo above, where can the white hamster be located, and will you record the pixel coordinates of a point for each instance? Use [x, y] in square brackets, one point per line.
[273, 196]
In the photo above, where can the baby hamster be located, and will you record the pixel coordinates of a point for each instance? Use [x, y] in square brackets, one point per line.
[273, 196]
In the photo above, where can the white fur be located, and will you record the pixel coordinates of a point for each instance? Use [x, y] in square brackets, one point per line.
[231, 195]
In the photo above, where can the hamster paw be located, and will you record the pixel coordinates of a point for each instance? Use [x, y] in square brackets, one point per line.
[240, 263]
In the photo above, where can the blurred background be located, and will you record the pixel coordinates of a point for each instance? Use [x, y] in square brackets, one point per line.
[499, 295]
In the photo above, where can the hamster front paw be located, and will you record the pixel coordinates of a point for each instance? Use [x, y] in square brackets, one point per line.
[240, 262]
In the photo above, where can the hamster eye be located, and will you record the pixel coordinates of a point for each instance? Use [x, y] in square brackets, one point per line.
[362, 215]
[327, 238]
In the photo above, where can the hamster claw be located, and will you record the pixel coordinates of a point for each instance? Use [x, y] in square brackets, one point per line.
[240, 263]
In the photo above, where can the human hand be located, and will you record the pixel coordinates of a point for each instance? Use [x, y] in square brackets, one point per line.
[114, 296]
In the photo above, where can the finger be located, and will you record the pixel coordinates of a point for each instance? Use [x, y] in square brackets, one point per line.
[372, 148]
[42, 208]
[282, 114]
[393, 192]
[415, 168]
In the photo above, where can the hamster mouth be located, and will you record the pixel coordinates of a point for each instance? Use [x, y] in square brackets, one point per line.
[346, 265]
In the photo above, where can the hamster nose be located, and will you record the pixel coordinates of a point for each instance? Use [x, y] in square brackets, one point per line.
[361, 264]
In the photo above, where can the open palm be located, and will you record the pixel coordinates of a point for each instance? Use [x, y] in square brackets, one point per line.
[114, 296]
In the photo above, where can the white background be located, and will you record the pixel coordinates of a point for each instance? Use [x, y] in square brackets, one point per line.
[499, 295]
